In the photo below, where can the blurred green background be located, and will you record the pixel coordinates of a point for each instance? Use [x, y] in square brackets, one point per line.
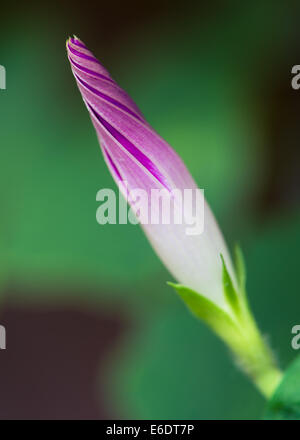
[93, 330]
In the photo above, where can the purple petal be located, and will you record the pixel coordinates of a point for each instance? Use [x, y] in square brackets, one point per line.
[118, 115]
[107, 98]
[135, 153]
[131, 148]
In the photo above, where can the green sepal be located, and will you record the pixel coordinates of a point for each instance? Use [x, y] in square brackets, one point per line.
[240, 334]
[240, 267]
[285, 402]
[215, 317]
[230, 292]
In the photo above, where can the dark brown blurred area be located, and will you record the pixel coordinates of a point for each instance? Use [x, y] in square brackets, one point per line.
[281, 121]
[55, 365]
[106, 24]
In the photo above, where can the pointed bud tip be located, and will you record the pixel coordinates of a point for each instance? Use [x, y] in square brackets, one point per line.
[75, 40]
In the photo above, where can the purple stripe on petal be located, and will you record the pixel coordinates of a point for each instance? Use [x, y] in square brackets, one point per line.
[78, 43]
[82, 55]
[90, 72]
[108, 98]
[132, 149]
[113, 165]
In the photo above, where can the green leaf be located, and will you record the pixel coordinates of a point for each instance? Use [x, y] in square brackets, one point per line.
[285, 403]
[216, 318]
[240, 267]
[230, 293]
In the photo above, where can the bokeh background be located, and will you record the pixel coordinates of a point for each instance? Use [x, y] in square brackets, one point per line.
[93, 331]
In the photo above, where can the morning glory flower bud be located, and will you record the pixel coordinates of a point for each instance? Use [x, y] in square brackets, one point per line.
[136, 154]
[141, 162]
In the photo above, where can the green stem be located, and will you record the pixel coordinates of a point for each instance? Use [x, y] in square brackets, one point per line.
[254, 355]
[236, 326]
[268, 381]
